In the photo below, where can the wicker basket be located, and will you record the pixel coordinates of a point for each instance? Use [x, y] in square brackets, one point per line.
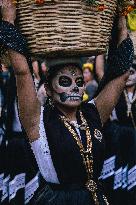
[66, 27]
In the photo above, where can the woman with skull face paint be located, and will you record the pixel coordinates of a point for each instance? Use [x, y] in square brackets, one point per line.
[68, 144]
[120, 135]
[128, 100]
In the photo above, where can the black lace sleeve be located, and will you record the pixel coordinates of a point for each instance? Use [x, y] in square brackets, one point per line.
[118, 63]
[120, 58]
[11, 37]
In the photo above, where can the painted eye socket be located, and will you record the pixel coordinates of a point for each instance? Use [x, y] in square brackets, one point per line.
[132, 72]
[80, 82]
[65, 81]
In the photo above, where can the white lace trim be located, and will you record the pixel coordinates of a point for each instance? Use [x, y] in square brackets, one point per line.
[31, 187]
[17, 183]
[42, 154]
[5, 188]
[124, 177]
[118, 179]
[131, 178]
[108, 168]
[1, 181]
[92, 102]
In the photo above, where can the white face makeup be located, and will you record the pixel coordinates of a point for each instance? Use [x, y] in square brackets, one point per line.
[132, 78]
[68, 87]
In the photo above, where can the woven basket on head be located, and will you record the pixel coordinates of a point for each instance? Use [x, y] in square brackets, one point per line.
[66, 27]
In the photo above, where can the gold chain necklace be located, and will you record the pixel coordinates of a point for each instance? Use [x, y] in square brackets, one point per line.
[86, 156]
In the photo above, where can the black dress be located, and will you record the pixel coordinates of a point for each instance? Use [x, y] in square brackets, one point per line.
[68, 162]
[21, 174]
[119, 169]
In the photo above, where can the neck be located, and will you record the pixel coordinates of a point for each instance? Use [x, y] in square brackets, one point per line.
[130, 89]
[69, 112]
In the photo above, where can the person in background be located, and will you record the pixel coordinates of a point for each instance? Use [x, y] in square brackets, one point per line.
[90, 83]
[36, 73]
[100, 66]
[4, 77]
[39, 75]
[119, 169]
[41, 94]
[44, 68]
[21, 178]
[3, 142]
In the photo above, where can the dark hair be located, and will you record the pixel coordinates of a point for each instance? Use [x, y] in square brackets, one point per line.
[134, 66]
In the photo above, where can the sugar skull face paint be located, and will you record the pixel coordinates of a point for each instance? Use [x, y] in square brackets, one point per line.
[68, 86]
[132, 78]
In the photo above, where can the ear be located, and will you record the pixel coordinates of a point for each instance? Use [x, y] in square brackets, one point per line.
[48, 91]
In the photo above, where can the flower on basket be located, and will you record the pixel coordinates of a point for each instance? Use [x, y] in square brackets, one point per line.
[126, 6]
[101, 7]
[40, 2]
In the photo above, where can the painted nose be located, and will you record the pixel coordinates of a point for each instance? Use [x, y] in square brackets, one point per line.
[76, 89]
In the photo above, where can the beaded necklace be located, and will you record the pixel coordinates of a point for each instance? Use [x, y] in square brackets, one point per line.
[87, 156]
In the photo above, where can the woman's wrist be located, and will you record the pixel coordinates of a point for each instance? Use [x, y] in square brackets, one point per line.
[122, 36]
[8, 20]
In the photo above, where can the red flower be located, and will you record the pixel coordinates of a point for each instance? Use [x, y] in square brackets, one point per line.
[39, 1]
[101, 7]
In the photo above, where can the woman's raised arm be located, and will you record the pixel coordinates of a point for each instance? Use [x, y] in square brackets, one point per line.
[29, 107]
[116, 76]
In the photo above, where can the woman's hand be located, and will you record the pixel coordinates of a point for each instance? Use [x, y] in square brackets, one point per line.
[8, 10]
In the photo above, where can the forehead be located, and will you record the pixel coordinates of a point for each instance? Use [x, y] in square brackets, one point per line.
[71, 71]
[87, 70]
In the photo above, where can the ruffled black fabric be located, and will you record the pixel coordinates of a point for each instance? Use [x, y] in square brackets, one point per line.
[119, 62]
[120, 58]
[11, 38]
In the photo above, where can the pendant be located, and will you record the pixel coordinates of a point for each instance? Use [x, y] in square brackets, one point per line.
[98, 135]
[91, 186]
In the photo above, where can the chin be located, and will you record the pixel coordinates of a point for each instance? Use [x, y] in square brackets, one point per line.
[72, 104]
